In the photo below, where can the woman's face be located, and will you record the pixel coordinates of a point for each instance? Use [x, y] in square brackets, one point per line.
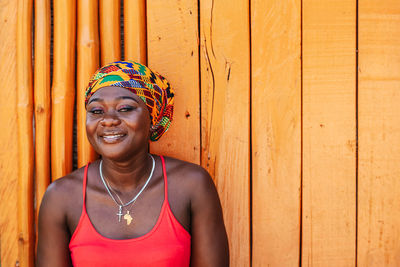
[117, 123]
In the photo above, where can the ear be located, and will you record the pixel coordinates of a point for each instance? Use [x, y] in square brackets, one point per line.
[152, 128]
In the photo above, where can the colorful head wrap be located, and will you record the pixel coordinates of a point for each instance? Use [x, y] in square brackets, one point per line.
[151, 87]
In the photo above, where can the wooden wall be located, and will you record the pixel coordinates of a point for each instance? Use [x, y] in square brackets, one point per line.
[291, 105]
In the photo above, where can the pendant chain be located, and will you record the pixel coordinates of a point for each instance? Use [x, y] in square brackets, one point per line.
[121, 204]
[120, 200]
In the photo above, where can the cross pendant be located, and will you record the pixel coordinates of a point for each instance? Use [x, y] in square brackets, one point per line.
[119, 213]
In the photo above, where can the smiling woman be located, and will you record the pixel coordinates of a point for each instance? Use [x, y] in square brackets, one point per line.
[131, 208]
[119, 117]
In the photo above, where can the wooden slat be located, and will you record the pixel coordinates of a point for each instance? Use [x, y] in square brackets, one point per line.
[25, 133]
[63, 88]
[135, 30]
[87, 63]
[109, 14]
[42, 97]
[276, 131]
[8, 137]
[379, 133]
[329, 132]
[225, 114]
[173, 52]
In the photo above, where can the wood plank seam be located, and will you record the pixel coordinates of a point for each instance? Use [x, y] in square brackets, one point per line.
[356, 137]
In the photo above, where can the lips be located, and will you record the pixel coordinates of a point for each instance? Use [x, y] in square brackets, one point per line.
[113, 137]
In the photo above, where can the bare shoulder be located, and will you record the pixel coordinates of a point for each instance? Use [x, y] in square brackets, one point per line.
[191, 180]
[66, 184]
[61, 193]
[208, 233]
[54, 229]
[186, 170]
[189, 175]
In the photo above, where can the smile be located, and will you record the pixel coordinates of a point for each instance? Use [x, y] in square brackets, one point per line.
[112, 138]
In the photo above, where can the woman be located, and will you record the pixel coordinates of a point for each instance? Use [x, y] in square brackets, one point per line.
[131, 208]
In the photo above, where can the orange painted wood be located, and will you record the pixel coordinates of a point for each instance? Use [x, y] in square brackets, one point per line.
[25, 133]
[109, 19]
[42, 97]
[276, 131]
[135, 39]
[87, 63]
[8, 135]
[329, 132]
[63, 88]
[379, 133]
[173, 52]
[225, 114]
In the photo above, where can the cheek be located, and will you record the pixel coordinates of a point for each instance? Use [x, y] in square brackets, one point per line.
[139, 124]
[90, 128]
[147, 122]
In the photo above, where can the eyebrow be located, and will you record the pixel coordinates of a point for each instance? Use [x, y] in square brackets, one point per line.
[95, 100]
[126, 97]
[118, 98]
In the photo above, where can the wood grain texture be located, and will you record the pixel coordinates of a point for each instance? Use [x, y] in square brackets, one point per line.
[42, 97]
[225, 115]
[379, 133]
[109, 19]
[135, 37]
[329, 132]
[63, 88]
[87, 47]
[173, 52]
[8, 137]
[276, 131]
[25, 133]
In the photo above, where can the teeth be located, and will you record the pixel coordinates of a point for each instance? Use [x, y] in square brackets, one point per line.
[113, 136]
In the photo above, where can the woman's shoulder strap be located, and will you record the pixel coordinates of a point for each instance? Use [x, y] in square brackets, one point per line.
[84, 184]
[165, 178]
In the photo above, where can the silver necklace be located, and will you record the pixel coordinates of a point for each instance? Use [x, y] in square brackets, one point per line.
[127, 216]
[121, 205]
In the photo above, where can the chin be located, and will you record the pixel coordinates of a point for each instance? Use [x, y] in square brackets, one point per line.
[120, 154]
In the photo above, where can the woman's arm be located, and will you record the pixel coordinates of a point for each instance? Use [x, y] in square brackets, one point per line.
[209, 239]
[54, 236]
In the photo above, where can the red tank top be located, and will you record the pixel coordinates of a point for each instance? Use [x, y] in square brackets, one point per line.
[167, 244]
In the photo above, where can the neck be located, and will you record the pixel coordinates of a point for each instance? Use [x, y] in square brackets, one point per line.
[127, 175]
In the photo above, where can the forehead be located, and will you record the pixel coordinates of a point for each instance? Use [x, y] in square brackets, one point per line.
[113, 92]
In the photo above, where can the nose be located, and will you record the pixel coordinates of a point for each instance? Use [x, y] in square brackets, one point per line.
[110, 119]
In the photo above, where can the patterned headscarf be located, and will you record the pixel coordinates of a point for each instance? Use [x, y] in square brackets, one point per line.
[151, 87]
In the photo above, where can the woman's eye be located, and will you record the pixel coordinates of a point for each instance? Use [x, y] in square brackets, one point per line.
[126, 109]
[96, 111]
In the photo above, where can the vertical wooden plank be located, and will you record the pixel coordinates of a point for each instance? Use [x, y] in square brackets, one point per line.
[87, 64]
[329, 132]
[276, 131]
[25, 133]
[379, 133]
[8, 138]
[225, 114]
[135, 30]
[42, 97]
[63, 89]
[109, 13]
[173, 52]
